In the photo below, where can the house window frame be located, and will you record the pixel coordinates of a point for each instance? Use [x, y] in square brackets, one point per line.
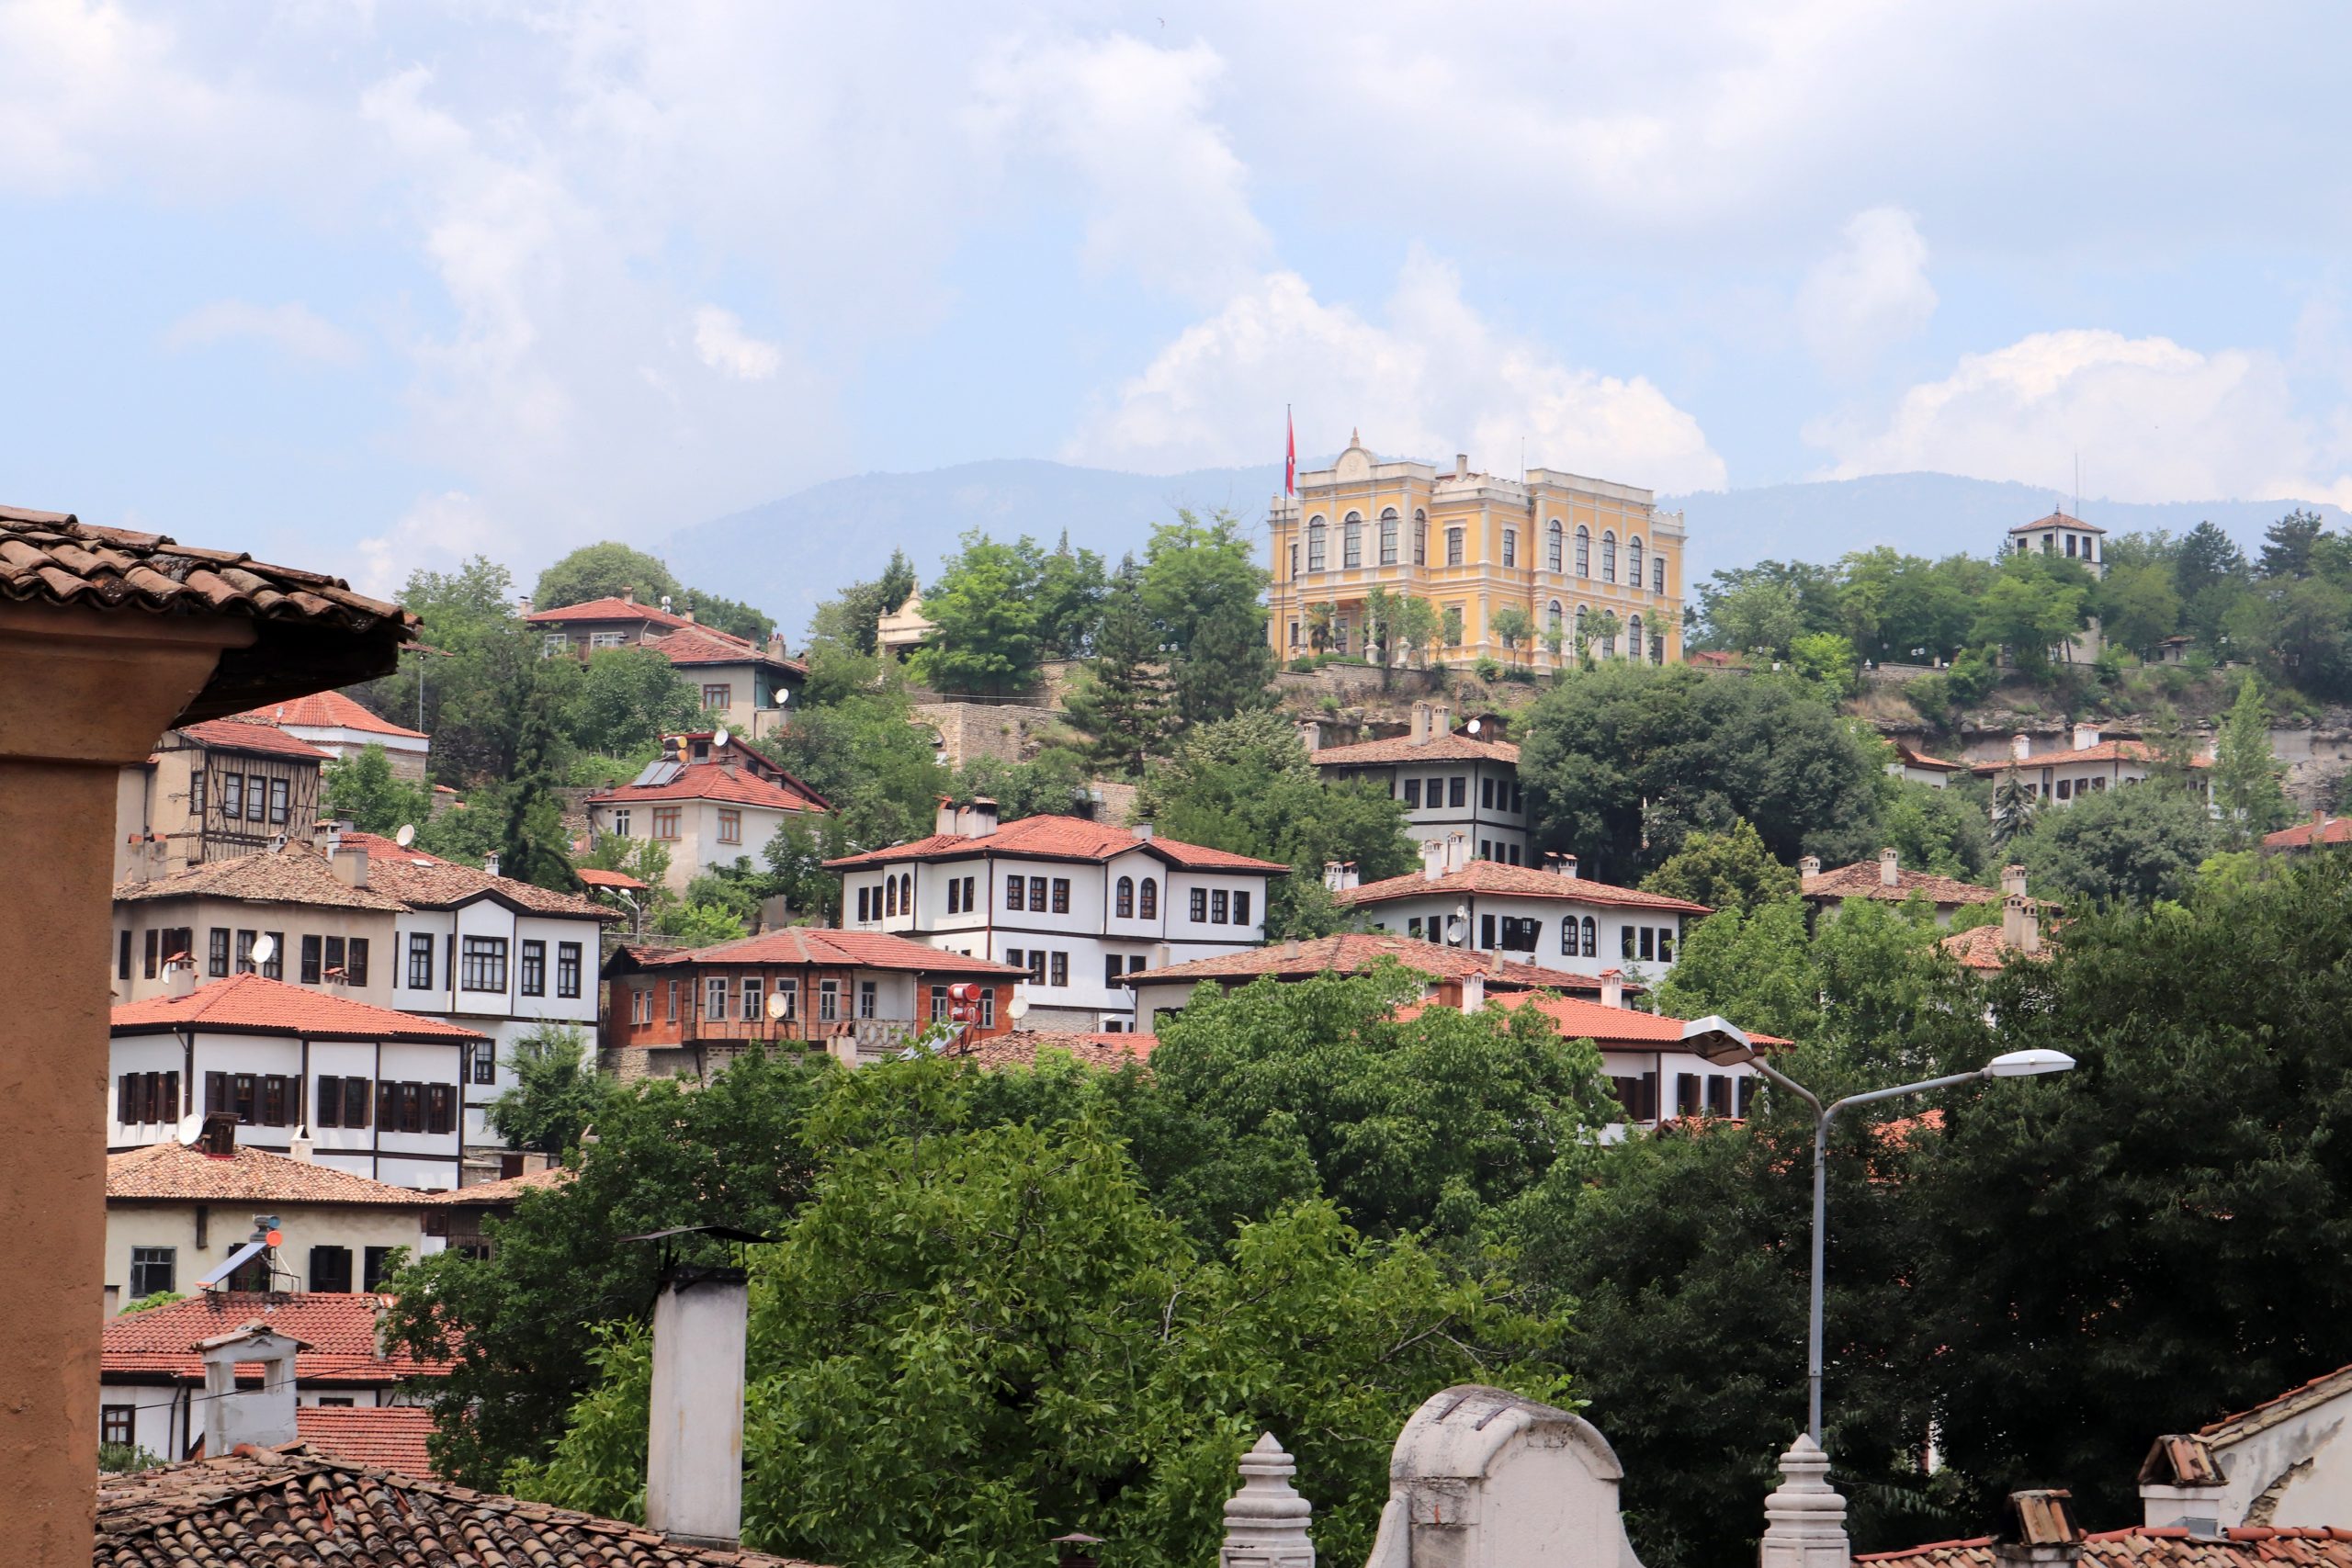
[1584, 550]
[731, 826]
[531, 971]
[666, 823]
[1352, 542]
[1388, 524]
[478, 959]
[567, 970]
[1456, 539]
[1318, 545]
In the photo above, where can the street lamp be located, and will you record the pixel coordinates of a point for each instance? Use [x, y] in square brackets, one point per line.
[1726, 1045]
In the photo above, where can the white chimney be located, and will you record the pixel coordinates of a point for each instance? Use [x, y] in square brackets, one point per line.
[349, 862]
[2013, 878]
[2020, 923]
[628, 595]
[262, 1416]
[1457, 850]
[2020, 747]
[1432, 858]
[524, 605]
[2085, 736]
[1421, 736]
[1339, 875]
[1809, 866]
[694, 1472]
[1568, 867]
[943, 820]
[1441, 720]
[1612, 988]
[1890, 874]
[982, 816]
[179, 977]
[1143, 832]
[1265, 1522]
[299, 1145]
[1473, 992]
[490, 863]
[1461, 464]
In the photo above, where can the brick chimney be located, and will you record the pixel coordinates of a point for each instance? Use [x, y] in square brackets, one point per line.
[1890, 870]
[693, 1473]
[2041, 1532]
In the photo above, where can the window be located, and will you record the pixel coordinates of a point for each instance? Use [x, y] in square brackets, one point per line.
[1511, 546]
[907, 893]
[1624, 941]
[256, 795]
[890, 897]
[1578, 642]
[1060, 970]
[640, 1005]
[278, 801]
[440, 1108]
[376, 1267]
[665, 822]
[1420, 539]
[1061, 895]
[1634, 638]
[1112, 967]
[355, 1109]
[1554, 538]
[245, 940]
[1200, 905]
[1592, 938]
[1552, 626]
[311, 966]
[828, 999]
[1220, 909]
[955, 897]
[1666, 945]
[1658, 647]
[938, 1009]
[718, 696]
[1568, 937]
[1037, 966]
[1294, 566]
[1609, 555]
[1352, 541]
[215, 957]
[152, 1269]
[1124, 898]
[1521, 935]
[864, 905]
[1633, 561]
[714, 999]
[1657, 574]
[553, 644]
[730, 827]
[1240, 910]
[1648, 945]
[988, 1007]
[232, 797]
[534, 978]
[482, 1062]
[1037, 895]
[567, 969]
[1518, 796]
[116, 1424]
[196, 795]
[275, 968]
[273, 1100]
[122, 955]
[868, 999]
[607, 639]
[1486, 849]
[1315, 532]
[420, 961]
[485, 964]
[331, 1270]
[356, 963]
[1486, 931]
[620, 822]
[1294, 631]
[1014, 893]
[1584, 551]
[1453, 546]
[789, 993]
[143, 1097]
[1457, 792]
[1437, 794]
[670, 1015]
[1487, 793]
[1147, 899]
[1412, 794]
[1388, 536]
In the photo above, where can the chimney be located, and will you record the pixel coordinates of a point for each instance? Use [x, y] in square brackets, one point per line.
[1265, 1522]
[775, 644]
[179, 976]
[1143, 832]
[1290, 948]
[349, 862]
[1339, 875]
[1457, 850]
[1461, 464]
[2085, 736]
[983, 818]
[1568, 867]
[1890, 874]
[300, 1146]
[1310, 735]
[1804, 1518]
[490, 863]
[2180, 1486]
[524, 605]
[943, 820]
[1474, 991]
[2013, 878]
[1809, 866]
[1421, 736]
[686, 615]
[628, 595]
[2020, 923]
[1432, 858]
[1441, 720]
[2041, 1532]
[2020, 747]
[1612, 987]
[694, 1472]
[258, 1417]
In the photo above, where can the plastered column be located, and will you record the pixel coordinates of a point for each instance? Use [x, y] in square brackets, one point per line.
[81, 695]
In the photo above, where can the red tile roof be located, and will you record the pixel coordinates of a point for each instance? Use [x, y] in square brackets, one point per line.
[2144, 1548]
[1488, 877]
[596, 876]
[1059, 838]
[2304, 834]
[1405, 749]
[815, 946]
[506, 1190]
[708, 645]
[1020, 1049]
[425, 881]
[245, 734]
[1353, 953]
[295, 874]
[329, 710]
[1986, 947]
[1579, 1019]
[339, 1327]
[1913, 757]
[253, 1004]
[170, 1172]
[2058, 520]
[609, 608]
[300, 1506]
[711, 780]
[1864, 880]
[379, 1437]
[2105, 752]
[2325, 1386]
[55, 556]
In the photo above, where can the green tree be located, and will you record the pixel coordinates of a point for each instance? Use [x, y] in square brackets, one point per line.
[602, 570]
[555, 1092]
[1123, 701]
[532, 846]
[1226, 670]
[796, 856]
[862, 749]
[2012, 811]
[2207, 559]
[1754, 966]
[2138, 608]
[2286, 545]
[985, 605]
[698, 922]
[1730, 870]
[364, 790]
[628, 697]
[1829, 659]
[1053, 782]
[1513, 626]
[2131, 846]
[849, 617]
[1767, 607]
[2032, 607]
[1942, 830]
[2245, 775]
[1197, 570]
[1070, 590]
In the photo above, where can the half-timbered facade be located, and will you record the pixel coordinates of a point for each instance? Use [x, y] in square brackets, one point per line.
[214, 790]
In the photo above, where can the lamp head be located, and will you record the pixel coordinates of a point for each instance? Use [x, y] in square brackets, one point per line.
[1720, 1041]
[2026, 1063]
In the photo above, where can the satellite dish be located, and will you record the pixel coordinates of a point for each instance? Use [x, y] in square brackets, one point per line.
[191, 1128]
[719, 737]
[406, 836]
[1473, 727]
[1454, 927]
[777, 1007]
[1018, 1007]
[782, 698]
[265, 948]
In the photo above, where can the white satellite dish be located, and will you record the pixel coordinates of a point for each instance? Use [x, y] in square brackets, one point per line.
[265, 948]
[719, 737]
[1454, 927]
[1473, 726]
[191, 1127]
[1018, 1007]
[406, 836]
[779, 1007]
[782, 698]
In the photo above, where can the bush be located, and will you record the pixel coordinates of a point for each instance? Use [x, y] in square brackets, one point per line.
[1487, 669]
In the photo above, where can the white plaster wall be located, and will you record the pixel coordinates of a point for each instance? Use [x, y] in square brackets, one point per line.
[1612, 922]
[305, 1225]
[2321, 1495]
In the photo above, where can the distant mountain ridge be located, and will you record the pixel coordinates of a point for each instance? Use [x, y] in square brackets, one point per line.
[786, 554]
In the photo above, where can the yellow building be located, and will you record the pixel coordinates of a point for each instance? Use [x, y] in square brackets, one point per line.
[1568, 553]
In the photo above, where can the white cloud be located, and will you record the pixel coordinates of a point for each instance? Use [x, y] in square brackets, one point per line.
[1869, 294]
[293, 329]
[1431, 378]
[2152, 420]
[434, 529]
[723, 344]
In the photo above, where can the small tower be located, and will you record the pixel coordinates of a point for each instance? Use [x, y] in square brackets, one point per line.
[1265, 1522]
[1806, 1519]
[263, 1416]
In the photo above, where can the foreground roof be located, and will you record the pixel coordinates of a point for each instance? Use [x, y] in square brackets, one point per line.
[247, 734]
[1405, 749]
[301, 1506]
[2318, 1391]
[330, 710]
[1913, 757]
[314, 630]
[814, 946]
[2142, 1548]
[1493, 877]
[1980, 947]
[713, 781]
[1608, 1027]
[1354, 952]
[425, 881]
[1020, 1049]
[173, 1172]
[1060, 838]
[379, 1436]
[254, 1004]
[338, 1329]
[1863, 879]
[596, 876]
[295, 874]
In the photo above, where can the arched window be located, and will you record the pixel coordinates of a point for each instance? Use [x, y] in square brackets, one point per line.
[1591, 939]
[1633, 561]
[1580, 636]
[1568, 937]
[1657, 573]
[1315, 532]
[1609, 555]
[1584, 551]
[1552, 555]
[889, 897]
[1453, 546]
[1352, 541]
[1150, 906]
[1126, 896]
[1420, 539]
[1552, 619]
[907, 893]
[1633, 639]
[1389, 537]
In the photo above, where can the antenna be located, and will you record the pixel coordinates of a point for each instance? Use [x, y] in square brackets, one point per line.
[718, 739]
[1473, 726]
[191, 1129]
[265, 948]
[782, 696]
[777, 1007]
[406, 836]
[1017, 1008]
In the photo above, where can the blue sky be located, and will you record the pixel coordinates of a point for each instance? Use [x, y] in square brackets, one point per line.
[370, 287]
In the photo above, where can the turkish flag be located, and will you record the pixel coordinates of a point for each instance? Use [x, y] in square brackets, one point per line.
[1290, 456]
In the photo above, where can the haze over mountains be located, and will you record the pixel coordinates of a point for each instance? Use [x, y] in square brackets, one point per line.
[786, 554]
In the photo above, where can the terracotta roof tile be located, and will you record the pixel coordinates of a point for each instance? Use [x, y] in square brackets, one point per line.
[2105, 752]
[339, 1328]
[1405, 749]
[425, 881]
[2303, 835]
[1863, 880]
[1060, 838]
[295, 874]
[2141, 1548]
[379, 1437]
[708, 645]
[609, 608]
[2058, 520]
[506, 1190]
[256, 1004]
[328, 710]
[1486, 877]
[1020, 1048]
[1580, 1018]
[1983, 947]
[244, 734]
[301, 1506]
[2327, 1385]
[1353, 953]
[806, 946]
[173, 1172]
[710, 781]
[596, 876]
[1916, 758]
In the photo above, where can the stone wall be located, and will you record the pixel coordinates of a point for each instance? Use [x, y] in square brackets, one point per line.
[1002, 730]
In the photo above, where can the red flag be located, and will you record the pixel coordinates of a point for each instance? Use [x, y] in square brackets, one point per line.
[1290, 456]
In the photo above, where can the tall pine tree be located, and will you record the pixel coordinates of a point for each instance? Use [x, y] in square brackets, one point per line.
[1123, 700]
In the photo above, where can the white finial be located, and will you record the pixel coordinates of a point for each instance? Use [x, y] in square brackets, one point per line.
[1265, 1522]
[1805, 1519]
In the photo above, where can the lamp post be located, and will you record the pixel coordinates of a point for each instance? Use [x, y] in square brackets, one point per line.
[1726, 1045]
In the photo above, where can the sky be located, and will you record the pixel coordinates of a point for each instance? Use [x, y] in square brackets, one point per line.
[373, 287]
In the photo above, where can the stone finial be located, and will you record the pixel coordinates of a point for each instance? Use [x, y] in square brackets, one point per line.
[1805, 1519]
[1265, 1522]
